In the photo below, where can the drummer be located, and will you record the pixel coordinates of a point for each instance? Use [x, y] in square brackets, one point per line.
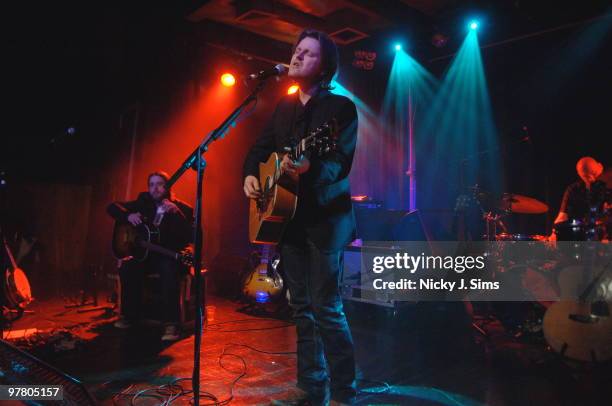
[585, 195]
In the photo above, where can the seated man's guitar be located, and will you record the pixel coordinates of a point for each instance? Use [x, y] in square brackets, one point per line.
[137, 241]
[269, 214]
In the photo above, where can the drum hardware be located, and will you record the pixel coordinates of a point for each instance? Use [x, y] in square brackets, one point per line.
[494, 221]
[522, 319]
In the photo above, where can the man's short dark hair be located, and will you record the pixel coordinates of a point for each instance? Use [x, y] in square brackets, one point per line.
[329, 54]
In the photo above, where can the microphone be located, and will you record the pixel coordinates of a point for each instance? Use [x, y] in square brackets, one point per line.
[278, 70]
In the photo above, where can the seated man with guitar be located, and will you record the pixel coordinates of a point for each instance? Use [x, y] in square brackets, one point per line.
[154, 215]
[312, 244]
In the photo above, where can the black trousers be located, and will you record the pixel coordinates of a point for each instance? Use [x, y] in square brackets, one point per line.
[132, 274]
[326, 361]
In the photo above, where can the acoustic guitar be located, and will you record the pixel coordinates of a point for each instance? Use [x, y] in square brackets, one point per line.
[137, 241]
[269, 214]
[581, 329]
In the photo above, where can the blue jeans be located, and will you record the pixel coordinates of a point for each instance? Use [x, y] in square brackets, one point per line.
[324, 342]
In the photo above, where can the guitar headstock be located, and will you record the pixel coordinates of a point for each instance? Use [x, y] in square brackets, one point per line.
[321, 140]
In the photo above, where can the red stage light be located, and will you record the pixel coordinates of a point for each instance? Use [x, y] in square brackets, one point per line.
[228, 80]
[292, 89]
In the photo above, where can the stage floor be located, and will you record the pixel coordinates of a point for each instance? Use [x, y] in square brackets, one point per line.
[422, 355]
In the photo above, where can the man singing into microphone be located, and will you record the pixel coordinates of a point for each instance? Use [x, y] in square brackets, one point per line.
[312, 245]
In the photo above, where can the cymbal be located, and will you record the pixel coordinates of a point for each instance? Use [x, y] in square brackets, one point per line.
[522, 204]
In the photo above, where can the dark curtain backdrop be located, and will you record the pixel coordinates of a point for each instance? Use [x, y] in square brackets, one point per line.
[58, 215]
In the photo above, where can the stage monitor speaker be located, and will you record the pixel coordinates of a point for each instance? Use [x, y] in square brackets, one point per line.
[381, 225]
[376, 224]
[17, 367]
[390, 225]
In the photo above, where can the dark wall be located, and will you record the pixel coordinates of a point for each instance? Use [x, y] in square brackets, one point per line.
[94, 71]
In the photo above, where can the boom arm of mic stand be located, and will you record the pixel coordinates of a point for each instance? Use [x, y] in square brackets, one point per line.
[219, 132]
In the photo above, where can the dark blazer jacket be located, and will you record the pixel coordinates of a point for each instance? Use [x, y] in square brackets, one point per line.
[176, 229]
[325, 212]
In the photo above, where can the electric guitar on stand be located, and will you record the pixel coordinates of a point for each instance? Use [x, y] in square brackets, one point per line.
[269, 214]
[264, 283]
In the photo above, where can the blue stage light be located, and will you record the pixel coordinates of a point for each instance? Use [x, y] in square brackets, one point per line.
[398, 47]
[473, 25]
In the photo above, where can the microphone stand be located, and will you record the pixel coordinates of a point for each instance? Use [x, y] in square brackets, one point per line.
[196, 161]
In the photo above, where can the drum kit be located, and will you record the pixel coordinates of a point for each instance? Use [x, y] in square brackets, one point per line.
[540, 266]
[496, 210]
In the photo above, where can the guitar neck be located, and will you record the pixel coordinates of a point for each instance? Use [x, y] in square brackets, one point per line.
[313, 140]
[159, 250]
[265, 253]
[304, 145]
[586, 296]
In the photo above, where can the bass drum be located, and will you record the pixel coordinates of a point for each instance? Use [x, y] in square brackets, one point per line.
[16, 291]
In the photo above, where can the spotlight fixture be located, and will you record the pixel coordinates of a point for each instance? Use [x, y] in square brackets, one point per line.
[473, 25]
[398, 46]
[228, 80]
[292, 89]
